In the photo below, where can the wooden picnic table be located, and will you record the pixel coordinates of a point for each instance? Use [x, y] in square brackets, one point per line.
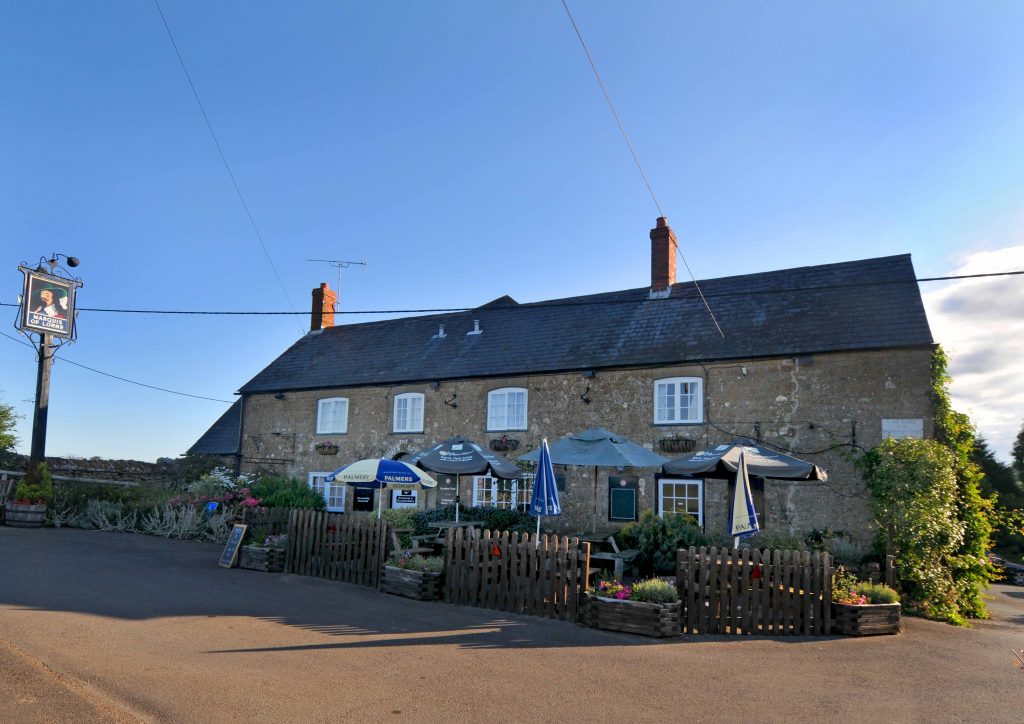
[443, 526]
[619, 558]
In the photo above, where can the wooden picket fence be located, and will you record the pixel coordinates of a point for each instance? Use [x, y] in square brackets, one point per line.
[517, 573]
[744, 591]
[346, 548]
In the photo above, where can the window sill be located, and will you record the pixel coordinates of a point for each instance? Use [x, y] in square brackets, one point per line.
[692, 423]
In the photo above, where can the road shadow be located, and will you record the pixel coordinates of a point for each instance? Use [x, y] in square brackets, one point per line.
[138, 577]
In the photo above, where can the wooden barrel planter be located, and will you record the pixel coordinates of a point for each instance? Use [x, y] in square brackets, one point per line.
[25, 515]
[635, 617]
[259, 558]
[873, 619]
[423, 586]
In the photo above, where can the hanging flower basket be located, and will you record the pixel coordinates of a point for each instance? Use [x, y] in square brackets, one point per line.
[504, 444]
[677, 445]
[326, 448]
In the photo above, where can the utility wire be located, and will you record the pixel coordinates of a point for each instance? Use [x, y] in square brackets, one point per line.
[538, 305]
[636, 159]
[223, 157]
[116, 377]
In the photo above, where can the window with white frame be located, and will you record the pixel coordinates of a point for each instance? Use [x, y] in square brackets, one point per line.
[506, 409]
[332, 416]
[678, 400]
[334, 493]
[681, 496]
[503, 494]
[409, 412]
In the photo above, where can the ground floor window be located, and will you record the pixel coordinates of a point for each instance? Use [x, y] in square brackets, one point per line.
[503, 494]
[334, 493]
[681, 496]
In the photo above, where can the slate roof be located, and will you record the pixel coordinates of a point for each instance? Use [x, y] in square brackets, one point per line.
[867, 304]
[222, 437]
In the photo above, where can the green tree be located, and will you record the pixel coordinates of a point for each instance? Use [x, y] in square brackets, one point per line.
[1018, 455]
[999, 479]
[7, 420]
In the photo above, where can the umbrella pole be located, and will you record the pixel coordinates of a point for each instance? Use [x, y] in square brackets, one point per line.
[380, 501]
[593, 523]
[736, 542]
[458, 491]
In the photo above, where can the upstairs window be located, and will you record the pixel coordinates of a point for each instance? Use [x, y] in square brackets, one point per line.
[332, 416]
[678, 400]
[506, 409]
[409, 412]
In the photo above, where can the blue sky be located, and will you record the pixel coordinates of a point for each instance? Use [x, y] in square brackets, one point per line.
[464, 151]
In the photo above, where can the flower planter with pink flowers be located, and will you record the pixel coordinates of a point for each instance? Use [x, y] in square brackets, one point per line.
[870, 619]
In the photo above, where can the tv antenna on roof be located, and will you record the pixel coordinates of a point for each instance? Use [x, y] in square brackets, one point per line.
[339, 265]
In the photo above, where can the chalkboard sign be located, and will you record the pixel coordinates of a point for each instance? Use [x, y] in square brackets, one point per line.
[229, 557]
[622, 498]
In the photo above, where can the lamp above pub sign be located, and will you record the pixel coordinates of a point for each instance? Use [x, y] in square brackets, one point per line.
[47, 303]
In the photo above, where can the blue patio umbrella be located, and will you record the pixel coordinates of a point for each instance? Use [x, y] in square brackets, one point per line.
[742, 517]
[545, 489]
[378, 473]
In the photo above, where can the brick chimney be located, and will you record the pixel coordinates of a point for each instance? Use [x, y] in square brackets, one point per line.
[322, 316]
[663, 258]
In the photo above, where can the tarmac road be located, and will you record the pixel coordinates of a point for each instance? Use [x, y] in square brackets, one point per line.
[107, 627]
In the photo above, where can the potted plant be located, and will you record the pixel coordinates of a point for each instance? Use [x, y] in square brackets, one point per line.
[326, 448]
[862, 608]
[414, 576]
[268, 557]
[648, 608]
[33, 494]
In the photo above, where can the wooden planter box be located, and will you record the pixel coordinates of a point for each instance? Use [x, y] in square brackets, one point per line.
[258, 558]
[872, 619]
[24, 515]
[646, 619]
[412, 584]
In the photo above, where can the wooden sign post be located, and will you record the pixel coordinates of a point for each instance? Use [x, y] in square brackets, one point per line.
[229, 558]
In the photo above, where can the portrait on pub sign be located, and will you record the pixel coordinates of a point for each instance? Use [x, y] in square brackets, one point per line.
[48, 304]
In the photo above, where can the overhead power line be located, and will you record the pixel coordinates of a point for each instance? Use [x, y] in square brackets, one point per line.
[636, 158]
[118, 377]
[535, 305]
[223, 157]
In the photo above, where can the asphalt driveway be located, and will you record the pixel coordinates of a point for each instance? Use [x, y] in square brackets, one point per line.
[107, 627]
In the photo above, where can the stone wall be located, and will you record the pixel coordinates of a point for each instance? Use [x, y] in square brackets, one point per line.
[163, 474]
[806, 404]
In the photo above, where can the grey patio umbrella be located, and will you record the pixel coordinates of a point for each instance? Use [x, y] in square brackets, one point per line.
[599, 448]
[723, 461]
[458, 456]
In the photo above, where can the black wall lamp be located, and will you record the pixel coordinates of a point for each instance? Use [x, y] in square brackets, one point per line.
[586, 396]
[451, 401]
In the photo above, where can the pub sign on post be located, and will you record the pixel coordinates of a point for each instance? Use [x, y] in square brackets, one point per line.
[48, 304]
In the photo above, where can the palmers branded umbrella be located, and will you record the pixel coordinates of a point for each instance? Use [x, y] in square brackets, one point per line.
[458, 456]
[742, 516]
[545, 489]
[378, 473]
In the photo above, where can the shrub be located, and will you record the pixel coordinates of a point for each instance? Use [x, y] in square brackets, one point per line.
[282, 492]
[36, 487]
[514, 521]
[776, 541]
[913, 488]
[659, 538]
[845, 552]
[654, 590]
[876, 592]
[423, 564]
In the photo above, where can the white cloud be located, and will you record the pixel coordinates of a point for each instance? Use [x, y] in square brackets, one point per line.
[980, 324]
